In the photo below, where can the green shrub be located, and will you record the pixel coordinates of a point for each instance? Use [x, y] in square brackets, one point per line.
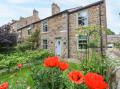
[25, 46]
[30, 56]
[47, 78]
[43, 78]
[95, 64]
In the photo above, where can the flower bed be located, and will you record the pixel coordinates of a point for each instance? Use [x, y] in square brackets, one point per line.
[10, 60]
[56, 77]
[56, 74]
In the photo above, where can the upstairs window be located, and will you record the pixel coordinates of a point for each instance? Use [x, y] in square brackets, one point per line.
[45, 44]
[45, 26]
[83, 18]
[30, 29]
[82, 42]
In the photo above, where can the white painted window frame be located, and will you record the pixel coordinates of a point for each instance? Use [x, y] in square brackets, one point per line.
[43, 26]
[86, 16]
[44, 44]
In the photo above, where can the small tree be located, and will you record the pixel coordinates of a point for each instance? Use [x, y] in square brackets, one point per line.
[35, 37]
[93, 36]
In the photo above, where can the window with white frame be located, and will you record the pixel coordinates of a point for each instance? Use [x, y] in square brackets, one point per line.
[83, 18]
[45, 44]
[82, 42]
[30, 29]
[45, 26]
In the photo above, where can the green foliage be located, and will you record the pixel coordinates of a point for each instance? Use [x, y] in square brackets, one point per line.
[9, 60]
[31, 43]
[20, 79]
[35, 37]
[117, 45]
[95, 64]
[93, 34]
[110, 32]
[25, 46]
[47, 78]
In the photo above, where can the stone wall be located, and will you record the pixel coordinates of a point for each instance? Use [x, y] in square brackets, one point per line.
[57, 28]
[115, 78]
[93, 19]
[23, 33]
[24, 21]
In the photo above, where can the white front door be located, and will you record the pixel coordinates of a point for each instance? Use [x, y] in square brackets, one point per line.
[58, 47]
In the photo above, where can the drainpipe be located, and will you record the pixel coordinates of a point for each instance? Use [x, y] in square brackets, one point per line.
[104, 1]
[68, 35]
[101, 38]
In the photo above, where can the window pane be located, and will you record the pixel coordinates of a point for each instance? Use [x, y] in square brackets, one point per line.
[45, 26]
[45, 44]
[29, 32]
[83, 18]
[82, 42]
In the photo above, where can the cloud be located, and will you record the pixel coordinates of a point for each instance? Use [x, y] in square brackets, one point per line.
[20, 1]
[113, 17]
[17, 11]
[13, 9]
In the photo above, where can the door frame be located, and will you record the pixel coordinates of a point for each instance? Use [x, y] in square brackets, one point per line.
[56, 40]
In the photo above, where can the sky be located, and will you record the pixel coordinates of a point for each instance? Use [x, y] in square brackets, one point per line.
[13, 9]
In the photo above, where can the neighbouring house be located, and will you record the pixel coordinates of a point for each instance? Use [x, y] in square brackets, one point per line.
[58, 31]
[24, 21]
[112, 40]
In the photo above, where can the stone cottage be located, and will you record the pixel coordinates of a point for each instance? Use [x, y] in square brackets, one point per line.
[58, 30]
[23, 22]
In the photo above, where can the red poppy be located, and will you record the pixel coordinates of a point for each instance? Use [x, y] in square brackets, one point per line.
[76, 77]
[63, 66]
[51, 62]
[95, 81]
[19, 66]
[4, 85]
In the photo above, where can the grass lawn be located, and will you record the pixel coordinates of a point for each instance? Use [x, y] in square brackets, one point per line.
[18, 80]
[21, 79]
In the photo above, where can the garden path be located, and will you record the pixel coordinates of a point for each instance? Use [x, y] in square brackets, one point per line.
[114, 60]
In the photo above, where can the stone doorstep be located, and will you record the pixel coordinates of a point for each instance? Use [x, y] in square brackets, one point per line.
[71, 60]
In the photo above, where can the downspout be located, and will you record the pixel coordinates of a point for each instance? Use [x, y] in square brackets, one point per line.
[101, 38]
[104, 1]
[68, 40]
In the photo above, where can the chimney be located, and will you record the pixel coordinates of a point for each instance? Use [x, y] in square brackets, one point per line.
[21, 18]
[55, 9]
[35, 13]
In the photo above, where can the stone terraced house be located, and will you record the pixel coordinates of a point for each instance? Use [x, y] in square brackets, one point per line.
[58, 30]
[23, 22]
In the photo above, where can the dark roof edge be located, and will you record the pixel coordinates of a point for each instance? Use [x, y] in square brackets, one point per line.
[65, 11]
[90, 5]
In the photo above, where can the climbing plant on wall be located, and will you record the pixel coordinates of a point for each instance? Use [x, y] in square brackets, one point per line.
[93, 34]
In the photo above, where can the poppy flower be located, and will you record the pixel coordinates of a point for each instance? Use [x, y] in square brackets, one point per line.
[19, 66]
[4, 85]
[76, 77]
[95, 81]
[63, 66]
[51, 62]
